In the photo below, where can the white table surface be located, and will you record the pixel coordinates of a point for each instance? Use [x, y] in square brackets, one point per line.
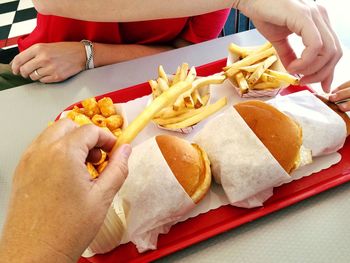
[315, 230]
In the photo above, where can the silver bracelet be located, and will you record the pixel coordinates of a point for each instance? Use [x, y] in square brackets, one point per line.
[89, 48]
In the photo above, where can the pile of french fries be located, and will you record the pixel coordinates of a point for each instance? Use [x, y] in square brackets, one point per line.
[190, 107]
[101, 113]
[252, 69]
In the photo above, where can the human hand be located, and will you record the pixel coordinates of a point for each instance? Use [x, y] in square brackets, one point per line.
[56, 209]
[51, 62]
[342, 93]
[276, 19]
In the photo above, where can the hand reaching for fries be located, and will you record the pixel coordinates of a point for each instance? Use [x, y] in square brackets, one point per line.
[276, 20]
[256, 69]
[341, 96]
[190, 107]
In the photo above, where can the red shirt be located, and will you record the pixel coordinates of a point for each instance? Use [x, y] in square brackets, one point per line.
[59, 29]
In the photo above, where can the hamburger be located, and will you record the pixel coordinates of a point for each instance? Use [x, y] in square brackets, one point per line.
[189, 163]
[280, 134]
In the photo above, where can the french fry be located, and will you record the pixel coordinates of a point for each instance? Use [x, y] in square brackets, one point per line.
[205, 99]
[261, 69]
[155, 89]
[165, 99]
[162, 74]
[240, 51]
[268, 78]
[197, 100]
[251, 68]
[192, 74]
[242, 83]
[283, 76]
[250, 59]
[266, 85]
[183, 71]
[262, 48]
[189, 103]
[176, 78]
[169, 112]
[162, 84]
[182, 117]
[208, 110]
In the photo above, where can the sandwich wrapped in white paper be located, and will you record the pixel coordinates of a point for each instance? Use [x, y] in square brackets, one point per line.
[324, 131]
[152, 197]
[240, 162]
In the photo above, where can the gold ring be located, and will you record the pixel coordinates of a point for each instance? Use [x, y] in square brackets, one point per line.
[37, 73]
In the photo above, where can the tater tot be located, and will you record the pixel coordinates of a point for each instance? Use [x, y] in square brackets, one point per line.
[81, 119]
[72, 114]
[114, 122]
[92, 170]
[101, 167]
[91, 107]
[99, 120]
[106, 107]
[102, 159]
[117, 132]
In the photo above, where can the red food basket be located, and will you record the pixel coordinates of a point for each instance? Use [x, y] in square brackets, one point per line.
[226, 217]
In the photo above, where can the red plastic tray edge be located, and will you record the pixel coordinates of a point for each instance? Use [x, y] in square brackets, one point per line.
[254, 214]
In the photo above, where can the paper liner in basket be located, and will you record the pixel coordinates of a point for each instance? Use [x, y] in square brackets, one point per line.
[240, 162]
[278, 66]
[186, 130]
[324, 131]
[153, 198]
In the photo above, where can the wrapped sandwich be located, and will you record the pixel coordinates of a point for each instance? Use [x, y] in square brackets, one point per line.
[167, 177]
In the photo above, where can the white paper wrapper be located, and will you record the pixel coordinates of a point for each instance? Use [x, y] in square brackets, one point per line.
[240, 162]
[324, 131]
[153, 198]
[231, 58]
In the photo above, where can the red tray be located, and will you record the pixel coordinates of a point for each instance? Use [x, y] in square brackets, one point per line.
[226, 217]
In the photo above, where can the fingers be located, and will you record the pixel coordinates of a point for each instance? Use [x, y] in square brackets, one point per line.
[39, 74]
[116, 171]
[57, 130]
[345, 85]
[313, 45]
[321, 68]
[284, 51]
[21, 59]
[90, 136]
[340, 95]
[344, 106]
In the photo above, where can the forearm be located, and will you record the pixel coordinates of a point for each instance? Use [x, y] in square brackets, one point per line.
[106, 54]
[126, 10]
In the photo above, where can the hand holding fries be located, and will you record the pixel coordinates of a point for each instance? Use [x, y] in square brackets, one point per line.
[191, 106]
[255, 69]
[103, 114]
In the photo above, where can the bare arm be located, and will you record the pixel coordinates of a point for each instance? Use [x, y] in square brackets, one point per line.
[126, 10]
[106, 54]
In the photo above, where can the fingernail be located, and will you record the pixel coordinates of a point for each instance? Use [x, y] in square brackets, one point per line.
[333, 96]
[125, 150]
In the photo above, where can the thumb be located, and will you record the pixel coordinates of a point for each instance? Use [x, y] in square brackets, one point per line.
[284, 51]
[114, 175]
